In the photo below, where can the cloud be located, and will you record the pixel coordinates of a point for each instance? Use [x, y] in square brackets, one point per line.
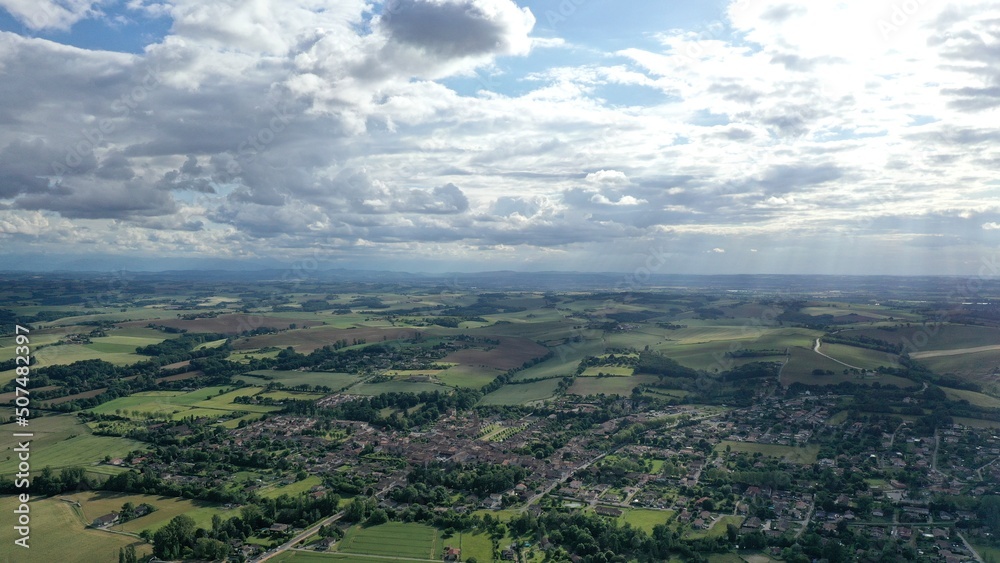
[459, 28]
[608, 177]
[991, 226]
[50, 14]
[432, 129]
[626, 200]
[719, 250]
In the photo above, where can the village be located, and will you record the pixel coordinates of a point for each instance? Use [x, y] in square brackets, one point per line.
[815, 471]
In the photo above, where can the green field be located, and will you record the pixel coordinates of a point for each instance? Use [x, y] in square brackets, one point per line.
[804, 454]
[644, 518]
[522, 393]
[395, 387]
[69, 353]
[859, 357]
[293, 489]
[295, 378]
[295, 395]
[980, 367]
[394, 539]
[313, 557]
[989, 554]
[468, 376]
[99, 503]
[63, 441]
[803, 361]
[607, 370]
[977, 399]
[719, 529]
[59, 533]
[609, 385]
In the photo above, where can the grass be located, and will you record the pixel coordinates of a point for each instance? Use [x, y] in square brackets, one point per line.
[225, 400]
[395, 386]
[609, 385]
[803, 361]
[794, 454]
[838, 418]
[315, 557]
[980, 367]
[65, 354]
[99, 503]
[989, 554]
[644, 518]
[859, 357]
[719, 529]
[467, 376]
[607, 370]
[296, 378]
[523, 393]
[394, 539]
[977, 399]
[976, 422]
[293, 489]
[285, 395]
[63, 441]
[936, 337]
[174, 405]
[60, 534]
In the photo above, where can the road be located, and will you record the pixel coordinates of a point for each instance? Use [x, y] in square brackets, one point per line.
[301, 537]
[816, 349]
[309, 531]
[562, 480]
[969, 546]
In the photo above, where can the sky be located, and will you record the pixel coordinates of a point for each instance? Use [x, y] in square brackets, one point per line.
[689, 136]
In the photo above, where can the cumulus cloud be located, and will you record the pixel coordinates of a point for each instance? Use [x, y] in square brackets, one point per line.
[50, 14]
[434, 128]
[459, 28]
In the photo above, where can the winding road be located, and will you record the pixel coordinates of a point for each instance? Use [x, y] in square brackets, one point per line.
[816, 349]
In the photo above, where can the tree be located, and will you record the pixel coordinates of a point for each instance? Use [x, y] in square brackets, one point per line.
[171, 541]
[210, 549]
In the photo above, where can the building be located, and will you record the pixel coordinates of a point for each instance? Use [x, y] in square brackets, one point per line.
[106, 520]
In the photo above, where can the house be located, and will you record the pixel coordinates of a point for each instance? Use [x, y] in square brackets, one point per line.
[280, 528]
[324, 544]
[106, 520]
[452, 553]
[608, 511]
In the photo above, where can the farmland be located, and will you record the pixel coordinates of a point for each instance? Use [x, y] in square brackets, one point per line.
[64, 441]
[429, 409]
[95, 504]
[394, 540]
[61, 534]
[522, 393]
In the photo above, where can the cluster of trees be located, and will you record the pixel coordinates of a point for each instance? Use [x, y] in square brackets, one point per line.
[47, 482]
[486, 304]
[178, 346]
[182, 539]
[482, 479]
[753, 370]
[614, 471]
[358, 360]
[434, 405]
[654, 363]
